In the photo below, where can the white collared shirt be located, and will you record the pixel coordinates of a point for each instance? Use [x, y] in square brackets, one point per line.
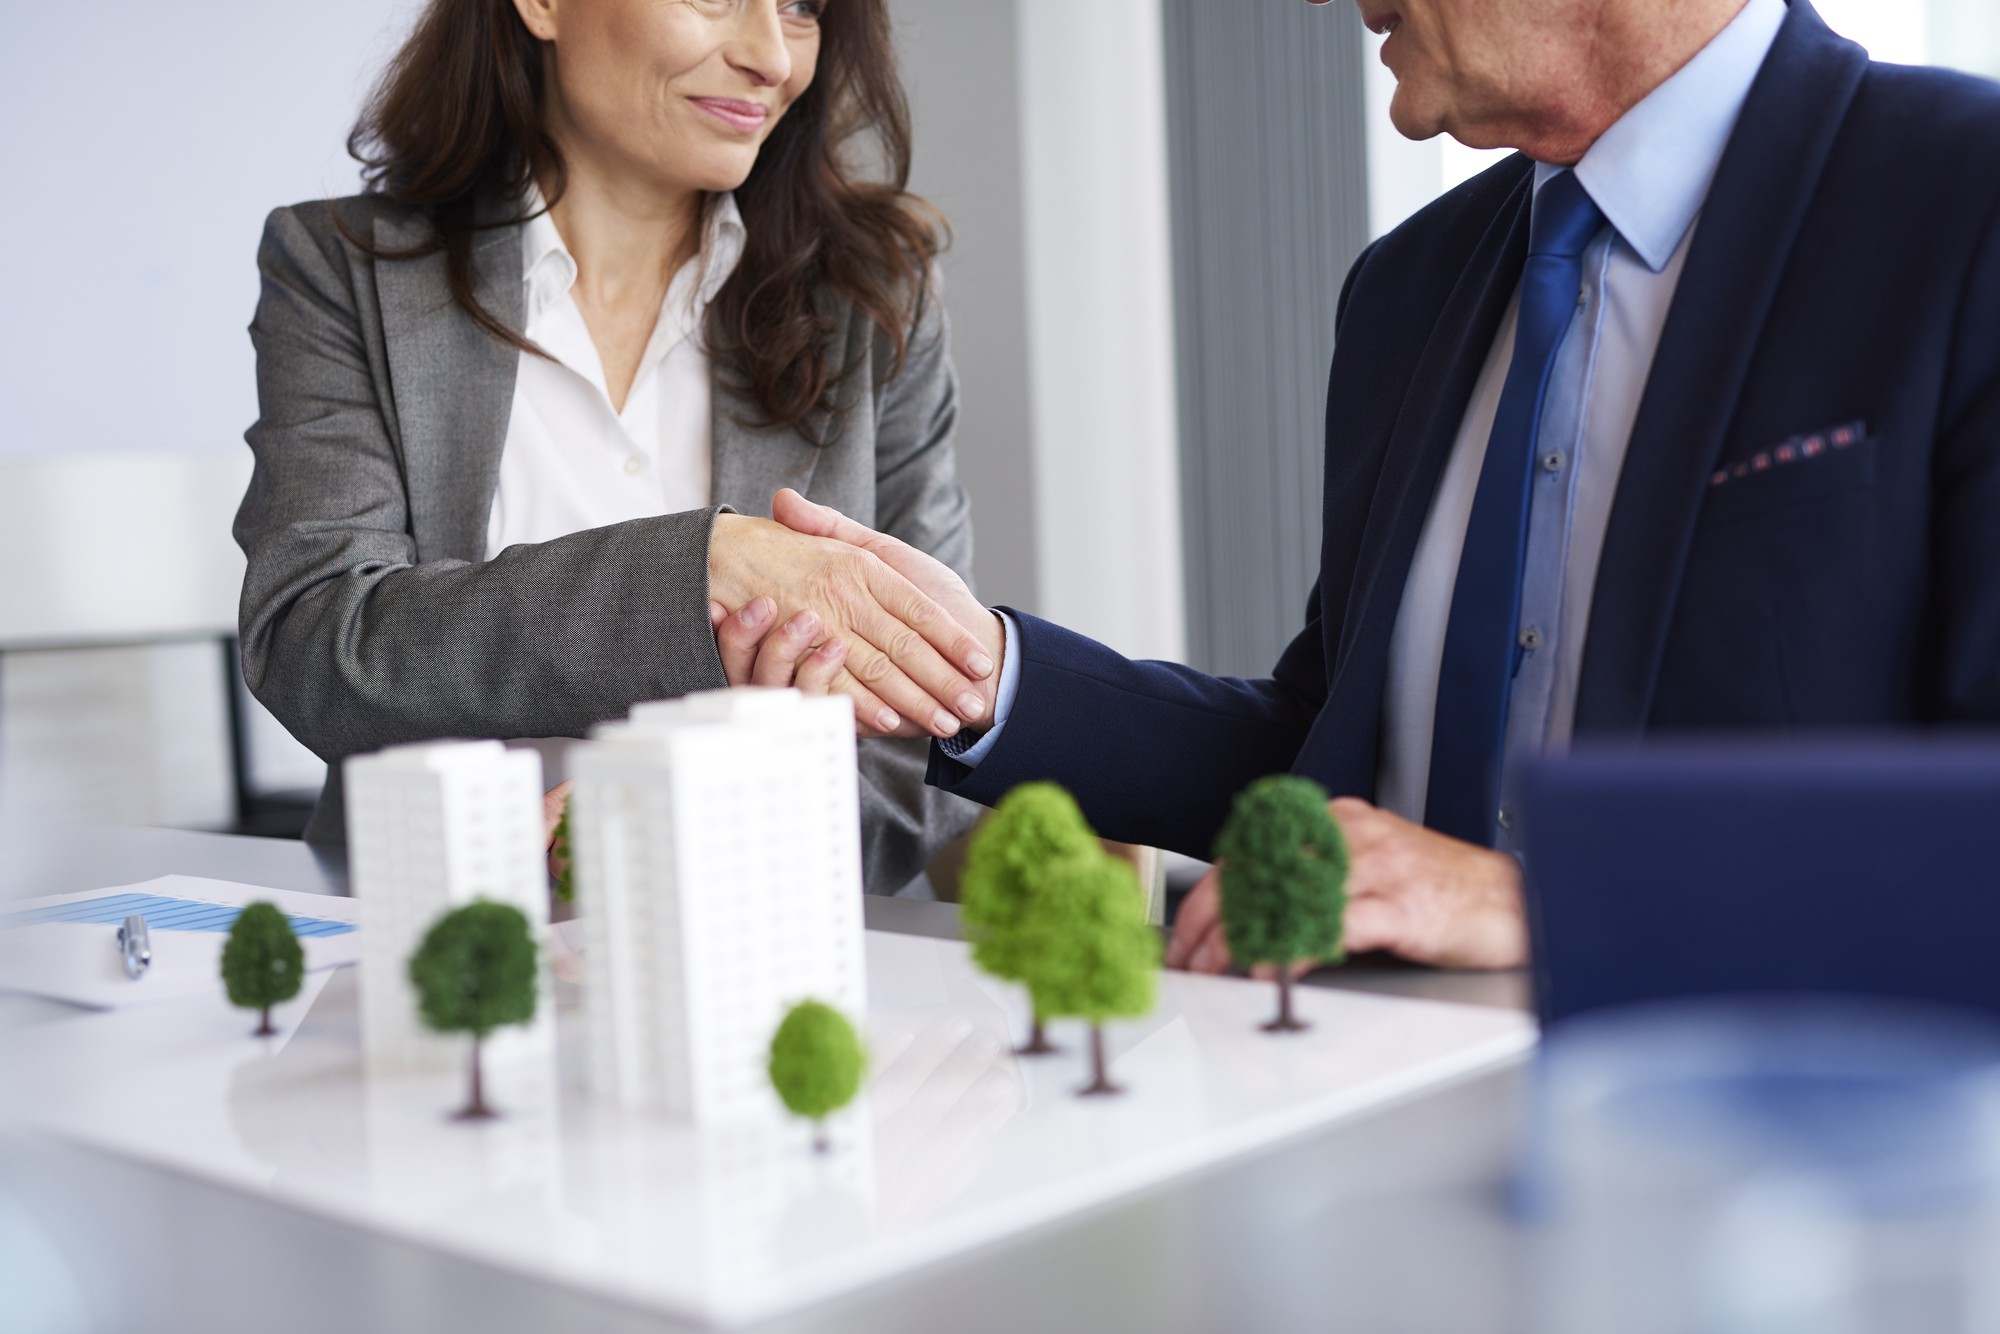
[571, 461]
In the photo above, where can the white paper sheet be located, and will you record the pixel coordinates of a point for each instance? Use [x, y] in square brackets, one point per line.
[79, 963]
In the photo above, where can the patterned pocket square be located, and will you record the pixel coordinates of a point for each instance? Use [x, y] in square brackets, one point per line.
[1798, 449]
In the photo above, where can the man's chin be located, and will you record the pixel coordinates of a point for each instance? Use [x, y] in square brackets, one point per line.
[1414, 114]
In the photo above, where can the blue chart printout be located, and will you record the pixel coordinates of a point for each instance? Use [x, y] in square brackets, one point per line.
[161, 913]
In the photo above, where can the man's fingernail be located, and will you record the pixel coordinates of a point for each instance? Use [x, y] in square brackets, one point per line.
[804, 623]
[970, 707]
[981, 665]
[944, 724]
[757, 612]
[887, 720]
[833, 649]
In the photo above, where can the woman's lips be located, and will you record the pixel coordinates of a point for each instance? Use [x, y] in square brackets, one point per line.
[743, 117]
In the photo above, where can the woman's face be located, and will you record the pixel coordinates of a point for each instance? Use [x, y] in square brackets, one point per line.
[680, 93]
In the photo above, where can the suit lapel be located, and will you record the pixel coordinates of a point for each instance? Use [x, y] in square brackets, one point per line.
[1420, 443]
[1426, 428]
[453, 384]
[1762, 190]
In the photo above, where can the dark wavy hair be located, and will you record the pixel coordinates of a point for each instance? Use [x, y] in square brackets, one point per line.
[455, 128]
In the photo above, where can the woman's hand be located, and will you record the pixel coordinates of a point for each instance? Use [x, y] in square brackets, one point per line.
[782, 598]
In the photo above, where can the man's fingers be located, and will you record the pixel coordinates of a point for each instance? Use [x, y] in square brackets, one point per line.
[778, 656]
[1197, 914]
[804, 516]
[1212, 954]
[1378, 923]
[738, 638]
[917, 610]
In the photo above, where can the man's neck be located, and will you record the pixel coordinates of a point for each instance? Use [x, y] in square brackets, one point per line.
[1605, 71]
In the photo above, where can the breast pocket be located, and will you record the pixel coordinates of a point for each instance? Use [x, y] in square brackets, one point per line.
[1791, 476]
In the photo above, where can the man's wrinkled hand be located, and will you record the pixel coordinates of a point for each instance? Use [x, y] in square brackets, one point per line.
[761, 651]
[780, 596]
[1410, 891]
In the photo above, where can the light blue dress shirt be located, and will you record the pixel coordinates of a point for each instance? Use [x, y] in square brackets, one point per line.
[1649, 174]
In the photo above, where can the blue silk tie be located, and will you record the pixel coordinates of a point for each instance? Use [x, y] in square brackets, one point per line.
[1481, 646]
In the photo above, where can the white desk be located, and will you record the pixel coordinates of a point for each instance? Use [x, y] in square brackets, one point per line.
[1394, 1214]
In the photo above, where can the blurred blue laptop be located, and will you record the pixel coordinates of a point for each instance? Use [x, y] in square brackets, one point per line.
[1689, 869]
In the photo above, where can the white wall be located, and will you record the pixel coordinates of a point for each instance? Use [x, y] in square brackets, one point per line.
[1404, 176]
[145, 145]
[1100, 319]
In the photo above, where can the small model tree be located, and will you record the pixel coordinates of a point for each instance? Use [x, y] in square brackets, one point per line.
[562, 860]
[1035, 828]
[1089, 952]
[475, 972]
[262, 963]
[816, 1064]
[1284, 882]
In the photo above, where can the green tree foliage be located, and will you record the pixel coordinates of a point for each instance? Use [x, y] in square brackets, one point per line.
[1034, 829]
[1284, 881]
[562, 858]
[475, 972]
[1088, 949]
[816, 1064]
[262, 963]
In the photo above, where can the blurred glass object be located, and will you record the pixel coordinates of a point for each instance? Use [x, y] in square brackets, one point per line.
[1768, 1165]
[39, 1291]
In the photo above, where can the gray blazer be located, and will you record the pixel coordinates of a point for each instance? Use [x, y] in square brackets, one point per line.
[370, 616]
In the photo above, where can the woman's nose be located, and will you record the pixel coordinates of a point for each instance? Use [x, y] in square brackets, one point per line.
[757, 46]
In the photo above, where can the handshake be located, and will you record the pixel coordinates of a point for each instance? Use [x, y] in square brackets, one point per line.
[811, 599]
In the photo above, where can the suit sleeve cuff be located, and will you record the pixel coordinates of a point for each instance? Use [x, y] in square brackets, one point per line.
[969, 747]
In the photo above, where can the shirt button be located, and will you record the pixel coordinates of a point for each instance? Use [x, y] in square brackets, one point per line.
[1531, 639]
[1553, 461]
[635, 465]
[1505, 818]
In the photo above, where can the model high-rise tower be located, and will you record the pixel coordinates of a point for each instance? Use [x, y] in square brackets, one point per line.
[718, 871]
[431, 827]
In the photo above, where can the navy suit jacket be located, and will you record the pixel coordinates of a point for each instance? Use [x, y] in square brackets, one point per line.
[1757, 573]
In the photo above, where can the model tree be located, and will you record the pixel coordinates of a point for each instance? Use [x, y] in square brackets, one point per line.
[1036, 827]
[262, 962]
[1284, 882]
[816, 1064]
[475, 972]
[561, 860]
[1089, 952]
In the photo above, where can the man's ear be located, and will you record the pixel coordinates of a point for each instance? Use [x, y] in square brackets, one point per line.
[539, 16]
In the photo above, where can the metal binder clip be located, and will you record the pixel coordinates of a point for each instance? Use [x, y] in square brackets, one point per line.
[135, 946]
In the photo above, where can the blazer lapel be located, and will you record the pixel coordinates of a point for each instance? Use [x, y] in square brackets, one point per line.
[750, 463]
[1762, 190]
[1421, 442]
[1426, 428]
[453, 383]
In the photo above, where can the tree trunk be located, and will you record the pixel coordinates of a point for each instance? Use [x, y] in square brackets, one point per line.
[476, 1108]
[1286, 1022]
[265, 1029]
[1038, 1043]
[1100, 1083]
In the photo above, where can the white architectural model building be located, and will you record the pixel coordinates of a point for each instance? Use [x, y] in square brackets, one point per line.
[431, 827]
[718, 871]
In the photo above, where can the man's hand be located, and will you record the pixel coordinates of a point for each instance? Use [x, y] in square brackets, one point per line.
[757, 650]
[906, 659]
[1410, 890]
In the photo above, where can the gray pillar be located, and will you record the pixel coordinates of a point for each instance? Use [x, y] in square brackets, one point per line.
[1270, 200]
